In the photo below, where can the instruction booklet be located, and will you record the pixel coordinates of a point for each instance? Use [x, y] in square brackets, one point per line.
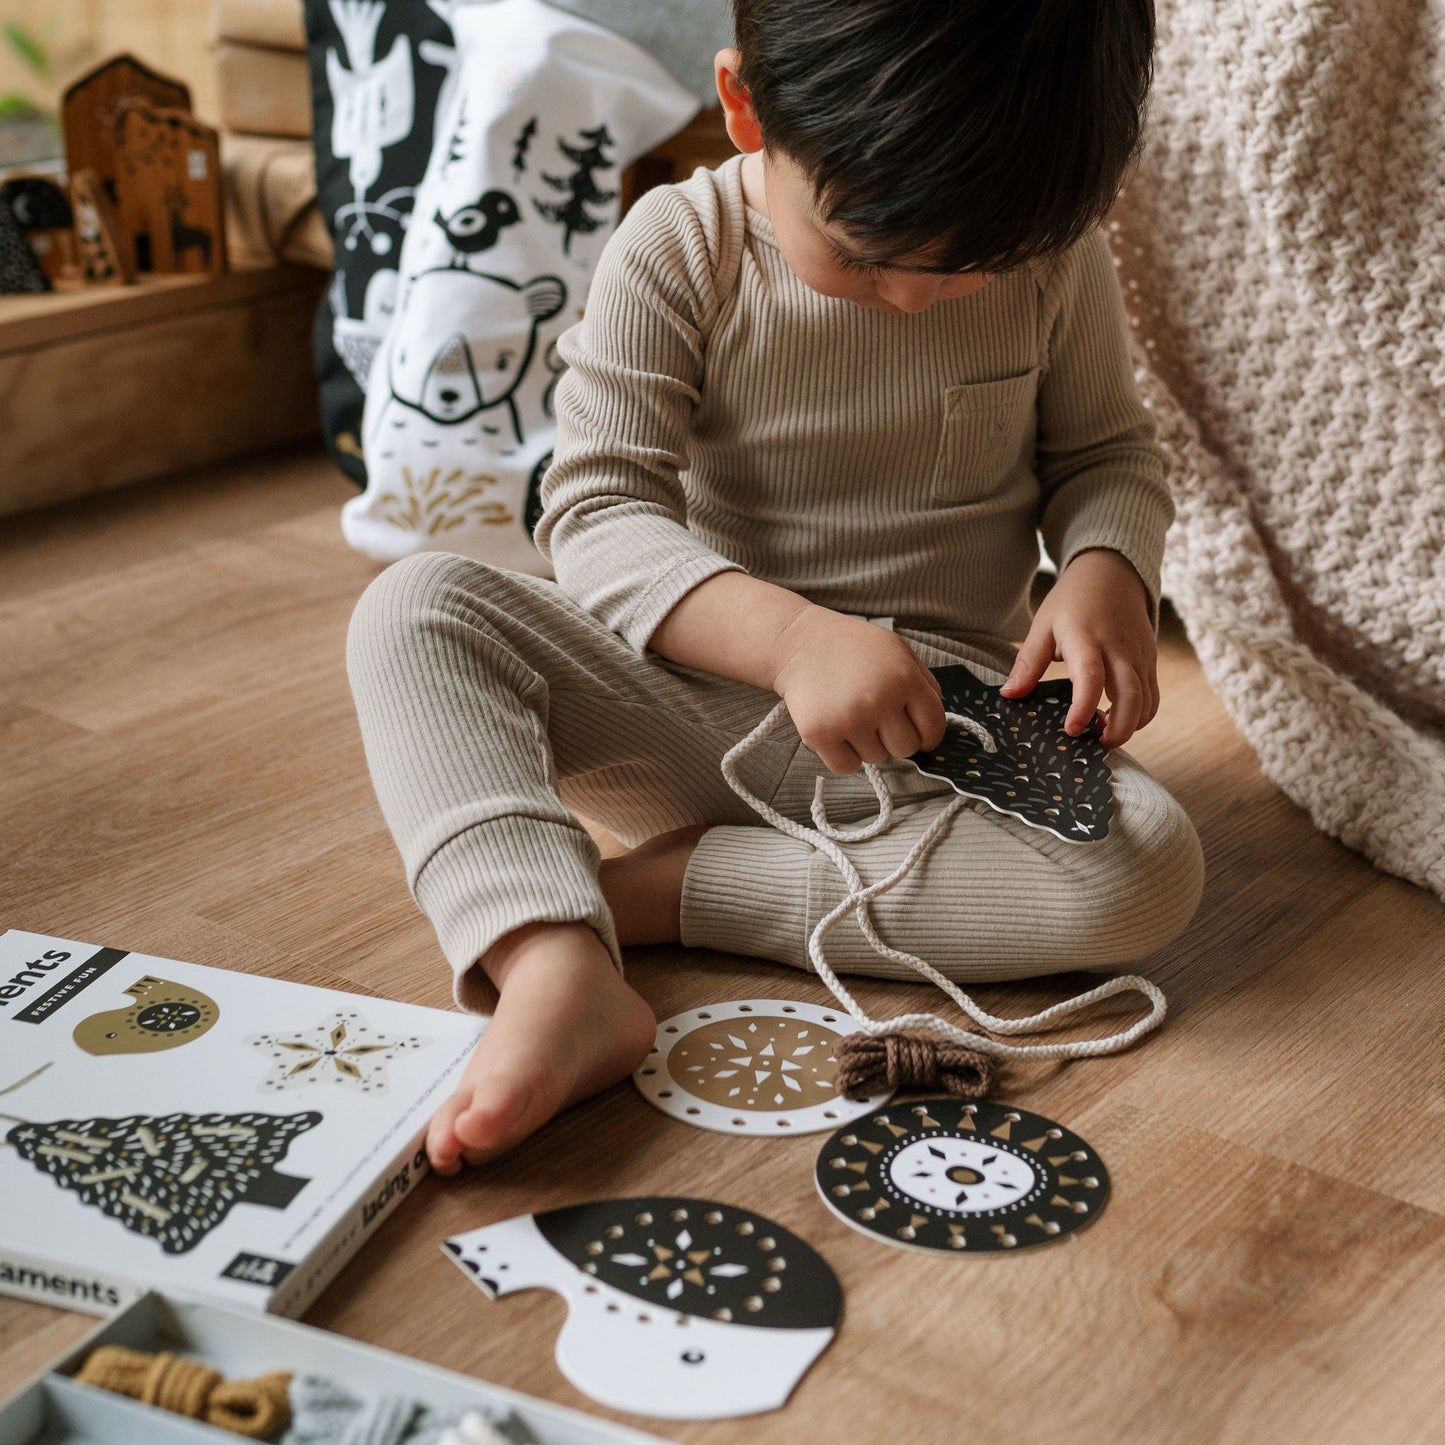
[217, 1135]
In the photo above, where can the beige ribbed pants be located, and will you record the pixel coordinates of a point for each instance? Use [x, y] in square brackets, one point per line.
[491, 706]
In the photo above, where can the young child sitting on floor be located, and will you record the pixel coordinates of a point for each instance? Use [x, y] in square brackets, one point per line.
[844, 379]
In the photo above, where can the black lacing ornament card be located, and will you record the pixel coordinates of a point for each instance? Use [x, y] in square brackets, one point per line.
[1029, 768]
[961, 1177]
[688, 1309]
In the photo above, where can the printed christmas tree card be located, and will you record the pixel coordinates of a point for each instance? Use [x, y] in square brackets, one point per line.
[216, 1135]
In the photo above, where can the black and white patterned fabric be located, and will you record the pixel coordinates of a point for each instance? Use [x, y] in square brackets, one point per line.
[380, 70]
[501, 127]
[20, 272]
[521, 194]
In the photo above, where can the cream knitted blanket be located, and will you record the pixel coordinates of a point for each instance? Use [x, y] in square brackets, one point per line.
[1282, 251]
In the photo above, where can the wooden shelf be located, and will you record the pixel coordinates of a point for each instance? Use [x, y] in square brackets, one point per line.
[75, 309]
[101, 386]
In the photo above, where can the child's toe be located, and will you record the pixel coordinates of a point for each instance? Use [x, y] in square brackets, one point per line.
[443, 1148]
[497, 1112]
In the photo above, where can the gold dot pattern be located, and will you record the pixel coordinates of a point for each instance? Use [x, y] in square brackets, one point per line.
[697, 1257]
[961, 1177]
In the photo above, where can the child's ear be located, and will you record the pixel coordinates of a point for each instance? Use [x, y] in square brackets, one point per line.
[742, 123]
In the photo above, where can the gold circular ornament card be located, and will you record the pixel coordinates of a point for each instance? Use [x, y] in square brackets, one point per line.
[755, 1066]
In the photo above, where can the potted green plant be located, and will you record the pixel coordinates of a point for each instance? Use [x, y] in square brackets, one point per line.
[29, 133]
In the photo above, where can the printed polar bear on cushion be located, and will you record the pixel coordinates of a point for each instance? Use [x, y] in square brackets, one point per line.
[451, 375]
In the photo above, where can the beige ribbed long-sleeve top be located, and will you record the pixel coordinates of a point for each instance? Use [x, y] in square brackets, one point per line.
[718, 414]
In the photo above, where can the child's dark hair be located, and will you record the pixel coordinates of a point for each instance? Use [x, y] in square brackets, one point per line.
[977, 133]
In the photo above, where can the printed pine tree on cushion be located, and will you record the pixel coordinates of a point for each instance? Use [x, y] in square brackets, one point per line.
[580, 187]
[174, 1178]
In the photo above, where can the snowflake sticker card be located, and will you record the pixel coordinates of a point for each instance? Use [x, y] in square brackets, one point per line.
[1014, 755]
[213, 1134]
[686, 1309]
[343, 1050]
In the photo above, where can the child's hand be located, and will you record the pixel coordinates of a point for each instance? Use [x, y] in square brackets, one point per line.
[855, 691]
[1096, 619]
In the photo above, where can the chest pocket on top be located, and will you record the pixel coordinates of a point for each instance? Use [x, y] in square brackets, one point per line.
[984, 426]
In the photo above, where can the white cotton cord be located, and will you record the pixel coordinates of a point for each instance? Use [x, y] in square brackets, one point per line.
[825, 839]
[819, 810]
[974, 728]
[884, 820]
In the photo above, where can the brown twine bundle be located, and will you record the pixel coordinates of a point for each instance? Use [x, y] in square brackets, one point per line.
[871, 1063]
[259, 1409]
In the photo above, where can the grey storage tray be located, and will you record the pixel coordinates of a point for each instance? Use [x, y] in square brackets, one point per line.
[57, 1411]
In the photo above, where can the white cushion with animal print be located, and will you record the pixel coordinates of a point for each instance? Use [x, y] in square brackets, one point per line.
[519, 196]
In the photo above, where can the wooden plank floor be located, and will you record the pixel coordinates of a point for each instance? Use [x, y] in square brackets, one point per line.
[182, 776]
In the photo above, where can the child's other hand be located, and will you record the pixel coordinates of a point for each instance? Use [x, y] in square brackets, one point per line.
[1096, 620]
[855, 691]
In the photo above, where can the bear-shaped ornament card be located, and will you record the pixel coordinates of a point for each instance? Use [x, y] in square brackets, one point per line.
[217, 1135]
[686, 1309]
[1014, 755]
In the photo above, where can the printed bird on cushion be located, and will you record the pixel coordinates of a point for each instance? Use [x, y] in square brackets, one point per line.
[477, 227]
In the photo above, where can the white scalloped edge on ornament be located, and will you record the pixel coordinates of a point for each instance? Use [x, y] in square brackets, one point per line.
[1009, 812]
[662, 1088]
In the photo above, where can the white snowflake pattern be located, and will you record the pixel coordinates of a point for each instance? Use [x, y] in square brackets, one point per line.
[680, 1265]
[780, 1065]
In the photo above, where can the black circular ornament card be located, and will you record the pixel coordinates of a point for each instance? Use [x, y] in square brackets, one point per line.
[961, 1177]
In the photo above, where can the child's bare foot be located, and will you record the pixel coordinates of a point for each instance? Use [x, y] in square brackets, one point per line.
[566, 1027]
[643, 887]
